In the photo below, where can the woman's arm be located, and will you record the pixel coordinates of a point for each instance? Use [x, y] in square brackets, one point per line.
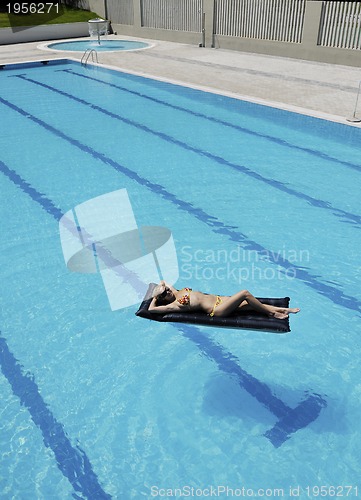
[171, 288]
[173, 306]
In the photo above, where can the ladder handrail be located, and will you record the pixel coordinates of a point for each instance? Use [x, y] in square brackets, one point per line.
[87, 54]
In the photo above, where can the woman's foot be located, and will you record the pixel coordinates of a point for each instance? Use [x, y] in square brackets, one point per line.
[282, 313]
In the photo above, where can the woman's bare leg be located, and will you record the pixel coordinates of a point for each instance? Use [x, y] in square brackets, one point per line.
[245, 298]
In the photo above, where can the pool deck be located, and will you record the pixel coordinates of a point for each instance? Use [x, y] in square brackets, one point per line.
[324, 90]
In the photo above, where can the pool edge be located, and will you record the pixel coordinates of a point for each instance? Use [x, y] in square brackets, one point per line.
[234, 95]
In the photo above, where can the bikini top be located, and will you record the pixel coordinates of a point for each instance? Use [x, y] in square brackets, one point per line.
[185, 299]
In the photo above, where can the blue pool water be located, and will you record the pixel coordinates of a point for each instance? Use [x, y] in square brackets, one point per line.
[103, 46]
[98, 403]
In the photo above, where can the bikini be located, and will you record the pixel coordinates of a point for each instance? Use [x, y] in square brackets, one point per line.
[185, 300]
[218, 301]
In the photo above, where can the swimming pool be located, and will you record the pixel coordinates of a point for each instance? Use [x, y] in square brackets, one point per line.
[99, 403]
[103, 46]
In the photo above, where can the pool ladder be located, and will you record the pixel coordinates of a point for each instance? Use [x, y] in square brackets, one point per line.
[87, 54]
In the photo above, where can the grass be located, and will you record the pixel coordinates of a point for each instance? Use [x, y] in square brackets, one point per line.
[66, 14]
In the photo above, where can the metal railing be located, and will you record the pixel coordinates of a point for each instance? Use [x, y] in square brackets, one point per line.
[280, 20]
[121, 11]
[179, 15]
[341, 25]
[87, 54]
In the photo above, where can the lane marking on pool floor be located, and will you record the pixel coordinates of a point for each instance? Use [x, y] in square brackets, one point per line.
[276, 140]
[340, 213]
[217, 226]
[290, 420]
[71, 461]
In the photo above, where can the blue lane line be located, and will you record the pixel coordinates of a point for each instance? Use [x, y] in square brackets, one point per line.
[290, 419]
[350, 217]
[217, 226]
[72, 462]
[244, 130]
[40, 198]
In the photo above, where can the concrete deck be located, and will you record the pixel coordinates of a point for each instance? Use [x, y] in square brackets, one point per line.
[318, 89]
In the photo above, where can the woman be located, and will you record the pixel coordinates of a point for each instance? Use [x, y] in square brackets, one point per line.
[168, 299]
